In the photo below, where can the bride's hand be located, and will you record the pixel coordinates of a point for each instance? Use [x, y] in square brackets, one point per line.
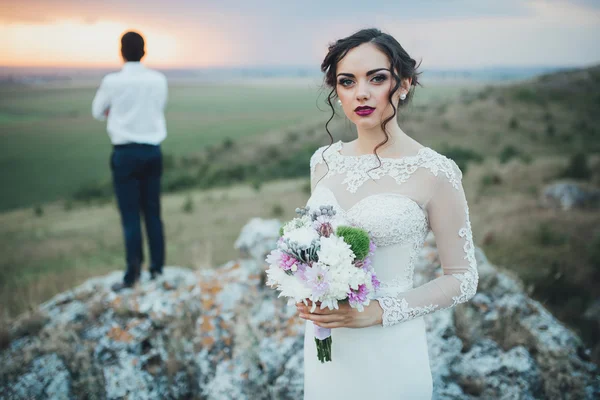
[344, 317]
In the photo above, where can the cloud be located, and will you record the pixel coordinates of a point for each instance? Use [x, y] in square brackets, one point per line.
[457, 33]
[43, 10]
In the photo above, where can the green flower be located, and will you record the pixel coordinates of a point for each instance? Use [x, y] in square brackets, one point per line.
[357, 238]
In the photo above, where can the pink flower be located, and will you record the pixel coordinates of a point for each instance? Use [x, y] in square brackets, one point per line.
[358, 296]
[286, 262]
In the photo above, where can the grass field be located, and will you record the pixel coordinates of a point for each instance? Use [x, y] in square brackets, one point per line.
[51, 145]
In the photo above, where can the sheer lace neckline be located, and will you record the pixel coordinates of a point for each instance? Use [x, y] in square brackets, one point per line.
[337, 147]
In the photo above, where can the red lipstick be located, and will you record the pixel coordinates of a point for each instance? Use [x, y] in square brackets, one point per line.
[363, 111]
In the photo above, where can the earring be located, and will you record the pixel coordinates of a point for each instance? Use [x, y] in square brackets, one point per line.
[339, 102]
[403, 96]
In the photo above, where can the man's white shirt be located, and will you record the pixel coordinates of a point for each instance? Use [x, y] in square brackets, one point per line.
[136, 97]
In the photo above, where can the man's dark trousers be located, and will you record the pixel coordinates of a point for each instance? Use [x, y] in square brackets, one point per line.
[136, 170]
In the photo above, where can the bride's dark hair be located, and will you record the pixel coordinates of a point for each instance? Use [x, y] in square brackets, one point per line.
[401, 66]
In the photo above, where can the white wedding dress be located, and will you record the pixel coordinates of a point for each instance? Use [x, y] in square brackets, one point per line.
[398, 203]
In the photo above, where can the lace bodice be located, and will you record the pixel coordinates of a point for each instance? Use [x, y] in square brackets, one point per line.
[399, 202]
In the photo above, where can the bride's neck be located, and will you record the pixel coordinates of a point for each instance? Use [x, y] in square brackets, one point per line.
[368, 139]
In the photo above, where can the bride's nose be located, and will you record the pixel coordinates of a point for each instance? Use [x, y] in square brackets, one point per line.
[362, 91]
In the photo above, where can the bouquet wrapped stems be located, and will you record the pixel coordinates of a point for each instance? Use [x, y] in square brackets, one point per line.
[323, 349]
[323, 341]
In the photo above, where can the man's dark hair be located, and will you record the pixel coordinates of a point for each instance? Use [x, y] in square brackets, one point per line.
[132, 46]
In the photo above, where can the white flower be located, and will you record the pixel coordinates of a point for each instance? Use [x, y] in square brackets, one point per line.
[335, 252]
[288, 285]
[303, 236]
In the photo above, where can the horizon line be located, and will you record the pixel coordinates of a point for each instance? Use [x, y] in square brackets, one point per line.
[306, 66]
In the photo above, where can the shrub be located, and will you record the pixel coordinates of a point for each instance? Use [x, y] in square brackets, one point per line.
[277, 210]
[485, 93]
[546, 236]
[513, 123]
[38, 211]
[272, 153]
[462, 156]
[526, 95]
[293, 136]
[188, 205]
[491, 179]
[178, 180]
[508, 153]
[256, 185]
[578, 167]
[306, 187]
[100, 190]
[168, 161]
[228, 144]
[594, 251]
[526, 158]
[4, 336]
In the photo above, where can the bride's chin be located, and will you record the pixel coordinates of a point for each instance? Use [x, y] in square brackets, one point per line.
[366, 123]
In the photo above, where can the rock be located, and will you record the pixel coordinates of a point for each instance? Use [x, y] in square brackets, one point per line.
[257, 238]
[47, 378]
[222, 333]
[488, 372]
[566, 195]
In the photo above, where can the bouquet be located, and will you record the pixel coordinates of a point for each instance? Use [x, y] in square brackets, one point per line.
[319, 259]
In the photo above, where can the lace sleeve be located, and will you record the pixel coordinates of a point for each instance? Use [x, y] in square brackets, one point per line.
[449, 220]
[317, 166]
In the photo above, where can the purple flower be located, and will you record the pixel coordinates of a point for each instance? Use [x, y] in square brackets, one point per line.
[372, 247]
[358, 296]
[375, 282]
[317, 279]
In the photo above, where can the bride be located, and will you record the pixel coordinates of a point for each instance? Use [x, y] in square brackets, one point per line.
[390, 185]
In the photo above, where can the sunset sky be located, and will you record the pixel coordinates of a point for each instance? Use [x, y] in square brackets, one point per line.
[197, 33]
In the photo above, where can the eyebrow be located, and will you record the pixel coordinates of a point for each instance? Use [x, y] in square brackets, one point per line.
[371, 72]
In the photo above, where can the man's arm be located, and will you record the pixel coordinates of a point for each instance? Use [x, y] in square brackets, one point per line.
[165, 92]
[101, 103]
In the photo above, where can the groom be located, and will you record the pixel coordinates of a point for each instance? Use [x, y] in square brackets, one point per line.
[133, 101]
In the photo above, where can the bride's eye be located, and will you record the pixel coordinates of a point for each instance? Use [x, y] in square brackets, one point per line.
[379, 78]
[345, 82]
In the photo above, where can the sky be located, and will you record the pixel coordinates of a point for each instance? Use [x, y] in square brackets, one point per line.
[198, 33]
